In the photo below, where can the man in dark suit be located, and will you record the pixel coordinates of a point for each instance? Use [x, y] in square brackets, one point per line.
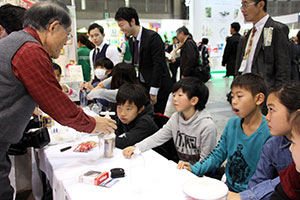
[232, 43]
[148, 57]
[173, 45]
[265, 48]
[189, 54]
[173, 66]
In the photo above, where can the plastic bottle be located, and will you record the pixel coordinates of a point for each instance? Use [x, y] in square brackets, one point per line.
[83, 98]
[97, 107]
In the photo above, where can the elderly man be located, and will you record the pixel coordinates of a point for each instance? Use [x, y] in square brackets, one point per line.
[189, 54]
[27, 79]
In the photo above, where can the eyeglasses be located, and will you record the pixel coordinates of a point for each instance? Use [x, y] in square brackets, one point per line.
[70, 36]
[246, 5]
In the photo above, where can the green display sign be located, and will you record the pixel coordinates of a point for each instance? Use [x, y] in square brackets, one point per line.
[106, 15]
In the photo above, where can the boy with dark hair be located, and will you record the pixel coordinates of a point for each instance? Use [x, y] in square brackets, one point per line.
[191, 127]
[103, 69]
[11, 19]
[57, 71]
[135, 115]
[242, 138]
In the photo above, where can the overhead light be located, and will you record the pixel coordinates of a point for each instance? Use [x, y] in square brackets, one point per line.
[82, 30]
[83, 4]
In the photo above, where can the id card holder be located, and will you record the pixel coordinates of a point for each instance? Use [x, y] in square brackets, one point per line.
[268, 35]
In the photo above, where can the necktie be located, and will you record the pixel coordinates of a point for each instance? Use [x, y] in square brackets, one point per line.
[250, 44]
[136, 53]
[95, 55]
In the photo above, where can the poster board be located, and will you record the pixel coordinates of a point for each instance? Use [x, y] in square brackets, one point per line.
[69, 52]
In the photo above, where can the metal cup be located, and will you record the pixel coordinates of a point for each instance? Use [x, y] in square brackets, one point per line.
[109, 145]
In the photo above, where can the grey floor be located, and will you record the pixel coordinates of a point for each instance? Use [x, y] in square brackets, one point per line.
[217, 104]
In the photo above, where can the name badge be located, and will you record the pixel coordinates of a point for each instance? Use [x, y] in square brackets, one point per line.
[268, 35]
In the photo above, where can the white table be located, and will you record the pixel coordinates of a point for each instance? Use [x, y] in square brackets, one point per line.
[148, 177]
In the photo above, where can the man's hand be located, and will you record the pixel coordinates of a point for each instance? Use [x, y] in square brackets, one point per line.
[233, 196]
[184, 165]
[153, 99]
[104, 125]
[37, 112]
[89, 85]
[128, 152]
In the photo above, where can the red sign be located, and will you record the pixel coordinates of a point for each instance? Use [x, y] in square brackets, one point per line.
[26, 3]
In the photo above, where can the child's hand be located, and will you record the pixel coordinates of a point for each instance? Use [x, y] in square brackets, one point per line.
[128, 151]
[65, 88]
[184, 165]
[86, 86]
[82, 85]
[233, 196]
[89, 85]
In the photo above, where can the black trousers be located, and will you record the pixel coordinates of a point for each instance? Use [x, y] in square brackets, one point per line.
[6, 190]
[173, 69]
[162, 98]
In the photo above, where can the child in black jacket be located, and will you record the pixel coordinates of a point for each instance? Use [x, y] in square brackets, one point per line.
[135, 115]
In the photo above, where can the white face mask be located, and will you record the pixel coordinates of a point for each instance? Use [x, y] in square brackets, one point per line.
[100, 73]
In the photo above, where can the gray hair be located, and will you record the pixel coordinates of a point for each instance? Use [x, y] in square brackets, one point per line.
[42, 14]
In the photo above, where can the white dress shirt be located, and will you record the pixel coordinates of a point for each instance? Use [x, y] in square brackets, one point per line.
[153, 90]
[112, 53]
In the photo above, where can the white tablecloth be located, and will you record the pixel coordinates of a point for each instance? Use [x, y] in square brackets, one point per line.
[149, 176]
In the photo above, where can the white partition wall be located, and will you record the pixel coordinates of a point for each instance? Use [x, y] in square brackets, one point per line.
[212, 19]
